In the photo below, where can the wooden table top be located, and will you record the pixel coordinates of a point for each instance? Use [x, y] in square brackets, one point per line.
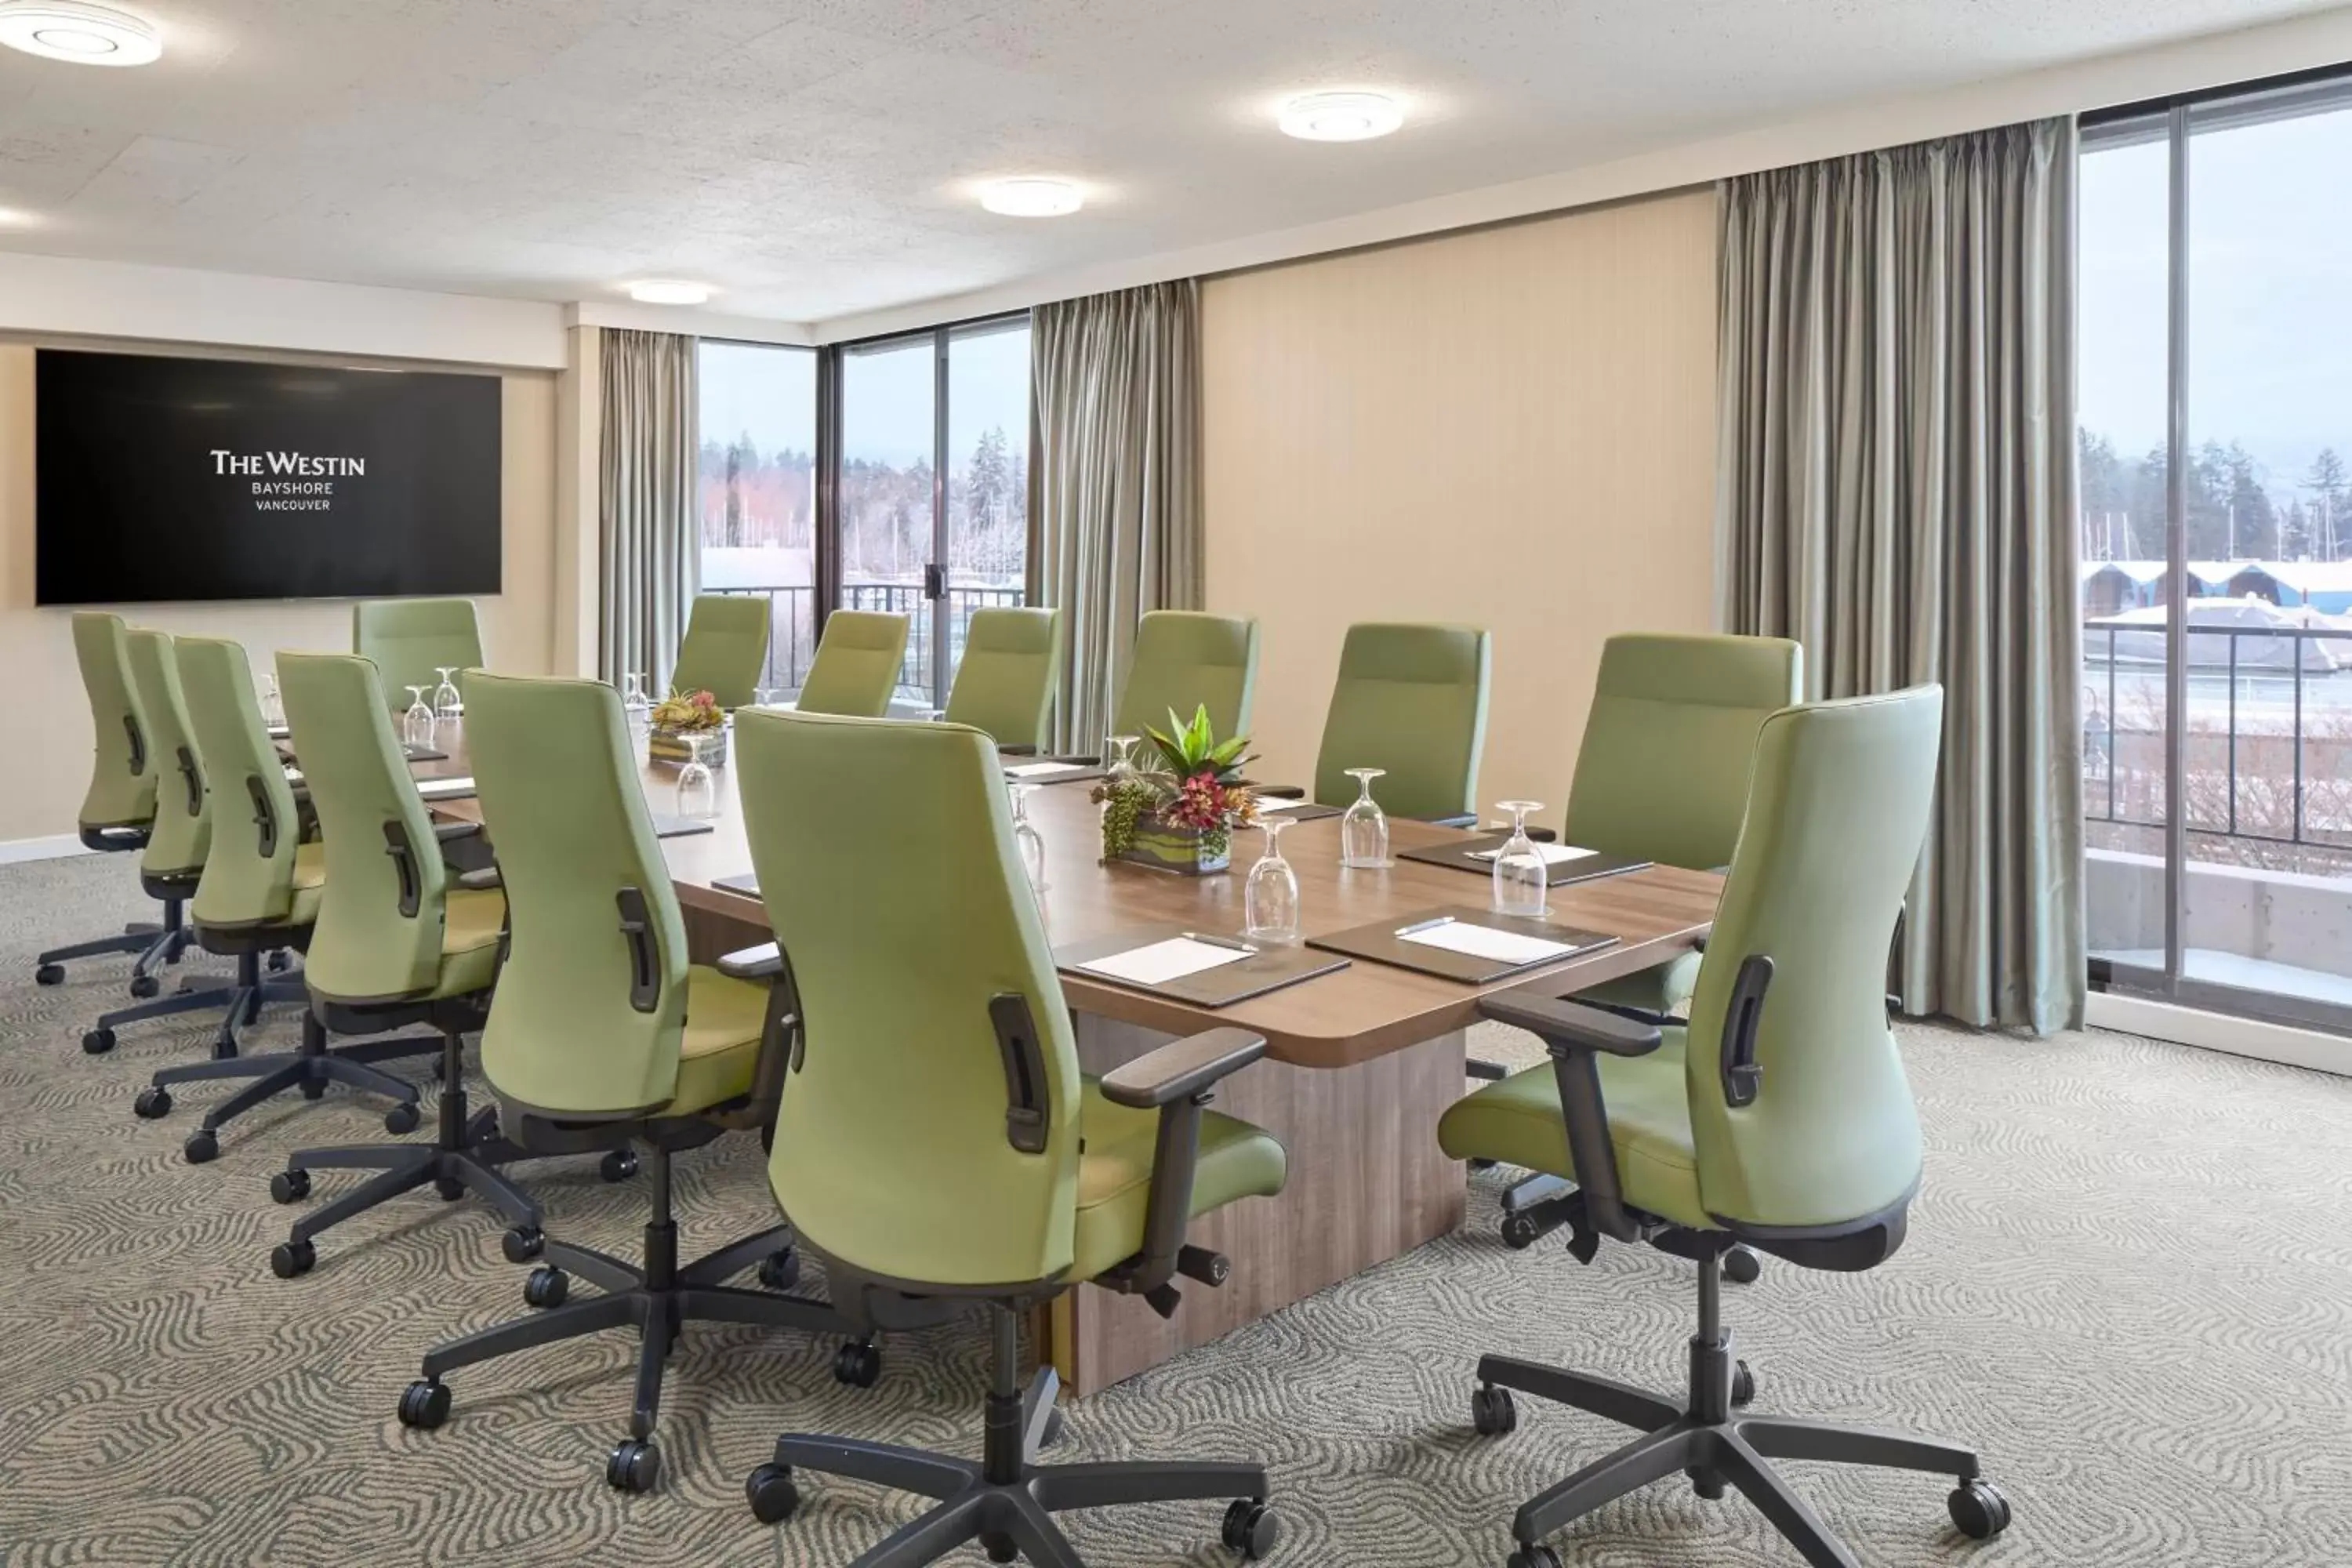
[1337, 1020]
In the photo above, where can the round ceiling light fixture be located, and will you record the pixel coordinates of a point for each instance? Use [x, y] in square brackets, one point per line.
[1341, 116]
[668, 291]
[1032, 198]
[86, 34]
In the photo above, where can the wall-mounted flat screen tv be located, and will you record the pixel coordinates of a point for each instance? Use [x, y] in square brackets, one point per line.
[164, 479]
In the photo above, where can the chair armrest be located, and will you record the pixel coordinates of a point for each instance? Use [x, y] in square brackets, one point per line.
[764, 962]
[450, 832]
[1006, 750]
[1280, 792]
[1566, 1024]
[481, 879]
[1182, 1069]
[1543, 836]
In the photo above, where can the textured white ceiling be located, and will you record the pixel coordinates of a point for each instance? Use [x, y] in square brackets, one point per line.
[813, 158]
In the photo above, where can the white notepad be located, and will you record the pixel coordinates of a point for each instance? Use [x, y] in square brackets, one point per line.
[1282, 804]
[1032, 770]
[1553, 854]
[1485, 941]
[1163, 961]
[436, 789]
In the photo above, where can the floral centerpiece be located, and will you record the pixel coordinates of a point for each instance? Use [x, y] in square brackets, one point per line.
[681, 716]
[1176, 807]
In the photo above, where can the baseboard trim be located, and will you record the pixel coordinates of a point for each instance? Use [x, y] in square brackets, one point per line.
[2219, 1032]
[55, 846]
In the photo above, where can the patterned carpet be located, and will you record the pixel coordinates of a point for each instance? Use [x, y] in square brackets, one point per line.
[2129, 1281]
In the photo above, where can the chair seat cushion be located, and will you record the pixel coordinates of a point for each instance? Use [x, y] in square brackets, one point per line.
[310, 882]
[1518, 1121]
[719, 1050]
[472, 919]
[1236, 1160]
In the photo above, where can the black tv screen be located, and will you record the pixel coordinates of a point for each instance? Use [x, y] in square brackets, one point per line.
[169, 478]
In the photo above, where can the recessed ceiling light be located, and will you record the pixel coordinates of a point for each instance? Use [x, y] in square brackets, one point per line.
[10, 218]
[667, 291]
[86, 34]
[1341, 116]
[1032, 198]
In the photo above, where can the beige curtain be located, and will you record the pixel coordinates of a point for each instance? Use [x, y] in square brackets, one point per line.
[647, 506]
[1116, 490]
[1898, 491]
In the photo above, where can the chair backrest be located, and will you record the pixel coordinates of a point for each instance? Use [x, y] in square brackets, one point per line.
[1012, 662]
[378, 937]
[916, 1139]
[1410, 700]
[249, 870]
[725, 649]
[123, 765]
[411, 640]
[855, 667]
[588, 1017]
[1183, 659]
[182, 829]
[1663, 772]
[1838, 805]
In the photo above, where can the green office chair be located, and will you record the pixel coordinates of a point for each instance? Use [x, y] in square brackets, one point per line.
[1182, 660]
[726, 648]
[1412, 701]
[398, 940]
[411, 641]
[1780, 1116]
[603, 1035]
[1662, 775]
[177, 842]
[935, 1139]
[1004, 687]
[259, 893]
[118, 807]
[855, 667]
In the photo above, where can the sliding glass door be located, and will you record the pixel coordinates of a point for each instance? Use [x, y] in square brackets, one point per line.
[2216, 399]
[757, 409]
[934, 486]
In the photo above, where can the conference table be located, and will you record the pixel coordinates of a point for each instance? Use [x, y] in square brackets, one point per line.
[1358, 1065]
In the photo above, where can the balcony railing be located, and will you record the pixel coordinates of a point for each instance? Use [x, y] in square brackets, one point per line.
[2269, 739]
[792, 618]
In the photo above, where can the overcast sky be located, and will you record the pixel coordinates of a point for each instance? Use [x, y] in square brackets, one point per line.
[2269, 280]
[887, 405]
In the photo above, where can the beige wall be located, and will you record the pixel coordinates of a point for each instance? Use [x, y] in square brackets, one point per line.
[1512, 429]
[43, 688]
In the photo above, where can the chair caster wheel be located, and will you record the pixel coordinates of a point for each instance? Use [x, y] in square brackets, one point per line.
[858, 1365]
[522, 1243]
[401, 1119]
[1492, 1412]
[98, 1041]
[781, 1269]
[547, 1286]
[999, 1548]
[1250, 1529]
[200, 1148]
[1743, 1384]
[1534, 1557]
[288, 1258]
[635, 1467]
[278, 961]
[312, 1089]
[449, 1187]
[1979, 1509]
[618, 1164]
[152, 1103]
[145, 985]
[424, 1404]
[49, 974]
[773, 1496]
[1741, 1266]
[1521, 1231]
[290, 1186]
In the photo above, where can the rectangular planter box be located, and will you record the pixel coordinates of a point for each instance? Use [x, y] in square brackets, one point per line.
[669, 746]
[1177, 849]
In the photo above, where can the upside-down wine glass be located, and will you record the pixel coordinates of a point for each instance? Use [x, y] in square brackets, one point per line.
[697, 791]
[635, 704]
[1025, 835]
[446, 701]
[416, 724]
[1364, 831]
[273, 707]
[1270, 897]
[1522, 876]
[1122, 755]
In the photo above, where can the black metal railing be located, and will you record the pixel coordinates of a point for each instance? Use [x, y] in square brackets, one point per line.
[792, 627]
[2270, 716]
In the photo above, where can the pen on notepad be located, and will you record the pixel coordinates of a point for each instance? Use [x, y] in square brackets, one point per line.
[1224, 942]
[1420, 926]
